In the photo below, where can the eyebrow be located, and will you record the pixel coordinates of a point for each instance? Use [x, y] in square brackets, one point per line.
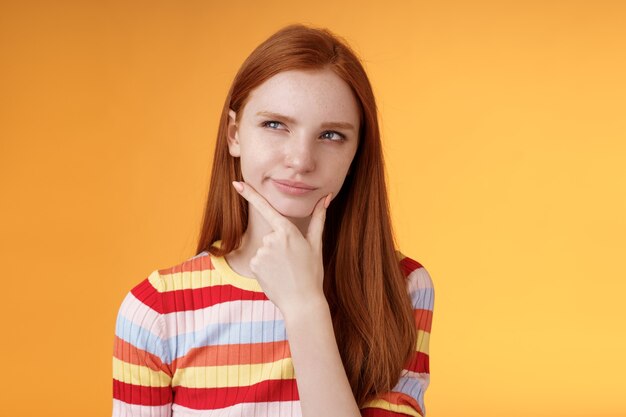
[327, 125]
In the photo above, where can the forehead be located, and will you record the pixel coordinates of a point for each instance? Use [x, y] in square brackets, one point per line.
[316, 95]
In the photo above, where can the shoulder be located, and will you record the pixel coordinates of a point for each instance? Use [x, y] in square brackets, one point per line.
[184, 275]
[419, 282]
[414, 270]
[155, 290]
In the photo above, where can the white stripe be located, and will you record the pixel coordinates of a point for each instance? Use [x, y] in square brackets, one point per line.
[422, 376]
[419, 279]
[122, 409]
[138, 313]
[239, 311]
[266, 409]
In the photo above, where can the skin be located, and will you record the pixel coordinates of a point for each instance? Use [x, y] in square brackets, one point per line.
[282, 247]
[300, 151]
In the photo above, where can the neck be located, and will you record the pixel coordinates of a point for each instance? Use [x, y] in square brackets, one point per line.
[252, 239]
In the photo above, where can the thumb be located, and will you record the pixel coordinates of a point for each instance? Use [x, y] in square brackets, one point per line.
[316, 225]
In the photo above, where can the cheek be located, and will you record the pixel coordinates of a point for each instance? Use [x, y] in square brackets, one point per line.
[255, 164]
[335, 181]
[341, 166]
[341, 173]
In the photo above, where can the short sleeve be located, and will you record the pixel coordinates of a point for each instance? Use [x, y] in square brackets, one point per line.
[407, 396]
[141, 358]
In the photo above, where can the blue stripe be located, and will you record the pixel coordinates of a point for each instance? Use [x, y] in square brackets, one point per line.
[423, 298]
[413, 387]
[141, 338]
[228, 333]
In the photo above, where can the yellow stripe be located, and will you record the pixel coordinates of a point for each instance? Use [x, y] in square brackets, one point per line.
[232, 375]
[423, 341]
[232, 277]
[185, 280]
[221, 275]
[200, 279]
[139, 375]
[386, 405]
[423, 338]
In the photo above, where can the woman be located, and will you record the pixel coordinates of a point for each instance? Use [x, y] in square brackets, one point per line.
[297, 303]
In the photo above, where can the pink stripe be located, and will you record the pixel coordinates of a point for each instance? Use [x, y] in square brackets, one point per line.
[266, 409]
[422, 377]
[122, 409]
[138, 313]
[229, 312]
[419, 278]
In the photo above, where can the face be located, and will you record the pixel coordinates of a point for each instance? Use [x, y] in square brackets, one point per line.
[297, 127]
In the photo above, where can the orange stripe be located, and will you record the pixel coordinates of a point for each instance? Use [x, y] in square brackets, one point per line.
[200, 263]
[423, 319]
[400, 398]
[126, 352]
[234, 354]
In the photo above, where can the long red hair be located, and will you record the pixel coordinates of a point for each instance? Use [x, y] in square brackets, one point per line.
[363, 283]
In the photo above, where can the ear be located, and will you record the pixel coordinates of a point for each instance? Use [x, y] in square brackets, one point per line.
[232, 136]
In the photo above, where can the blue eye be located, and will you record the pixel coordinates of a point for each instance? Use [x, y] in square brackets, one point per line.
[341, 137]
[264, 124]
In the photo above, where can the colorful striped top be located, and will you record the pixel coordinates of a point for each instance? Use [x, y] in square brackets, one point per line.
[198, 339]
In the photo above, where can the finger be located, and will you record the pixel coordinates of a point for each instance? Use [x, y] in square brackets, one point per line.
[316, 225]
[274, 218]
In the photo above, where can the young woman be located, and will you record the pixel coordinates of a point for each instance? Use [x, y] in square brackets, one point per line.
[298, 302]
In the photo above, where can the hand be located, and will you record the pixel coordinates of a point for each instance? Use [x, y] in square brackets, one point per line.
[289, 266]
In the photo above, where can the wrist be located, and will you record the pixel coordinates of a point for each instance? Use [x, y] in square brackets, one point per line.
[313, 309]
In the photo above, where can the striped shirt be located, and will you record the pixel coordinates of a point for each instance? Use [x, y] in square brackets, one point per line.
[198, 339]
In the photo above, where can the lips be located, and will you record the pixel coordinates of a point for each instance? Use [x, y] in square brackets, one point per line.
[295, 184]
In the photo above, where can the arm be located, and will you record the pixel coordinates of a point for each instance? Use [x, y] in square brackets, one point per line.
[407, 397]
[279, 266]
[322, 382]
[323, 386]
[141, 372]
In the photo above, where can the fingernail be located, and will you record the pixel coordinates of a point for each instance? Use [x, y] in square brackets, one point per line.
[327, 201]
[238, 186]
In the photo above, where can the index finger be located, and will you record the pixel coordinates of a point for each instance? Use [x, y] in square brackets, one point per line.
[274, 218]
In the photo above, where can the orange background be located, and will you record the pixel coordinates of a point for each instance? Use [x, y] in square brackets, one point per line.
[505, 141]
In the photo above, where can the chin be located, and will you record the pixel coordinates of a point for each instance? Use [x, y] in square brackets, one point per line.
[297, 209]
[295, 212]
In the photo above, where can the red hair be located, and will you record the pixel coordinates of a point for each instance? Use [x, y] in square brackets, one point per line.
[365, 287]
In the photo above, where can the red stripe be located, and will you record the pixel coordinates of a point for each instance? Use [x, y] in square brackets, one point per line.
[147, 294]
[409, 265]
[184, 300]
[191, 299]
[419, 362]
[212, 398]
[140, 395]
[194, 299]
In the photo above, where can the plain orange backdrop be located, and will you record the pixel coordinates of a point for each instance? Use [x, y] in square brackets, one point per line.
[505, 141]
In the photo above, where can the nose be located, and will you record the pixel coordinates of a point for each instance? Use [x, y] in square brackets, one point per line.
[300, 154]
